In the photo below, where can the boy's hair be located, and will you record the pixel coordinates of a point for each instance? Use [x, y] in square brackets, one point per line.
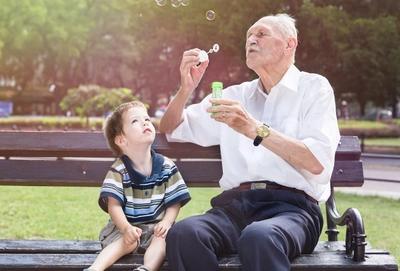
[113, 125]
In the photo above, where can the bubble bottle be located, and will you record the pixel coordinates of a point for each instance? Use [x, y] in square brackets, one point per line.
[216, 91]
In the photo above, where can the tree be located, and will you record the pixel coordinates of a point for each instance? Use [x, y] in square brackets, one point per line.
[357, 52]
[93, 100]
[138, 45]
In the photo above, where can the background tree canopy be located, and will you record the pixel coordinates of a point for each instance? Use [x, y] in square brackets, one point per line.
[137, 44]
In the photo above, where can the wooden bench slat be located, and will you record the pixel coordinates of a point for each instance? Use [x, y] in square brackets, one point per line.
[92, 173]
[58, 144]
[306, 262]
[337, 261]
[53, 173]
[77, 254]
[49, 246]
[41, 144]
[348, 148]
[347, 174]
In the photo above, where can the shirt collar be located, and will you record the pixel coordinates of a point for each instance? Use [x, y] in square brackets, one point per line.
[290, 80]
[137, 177]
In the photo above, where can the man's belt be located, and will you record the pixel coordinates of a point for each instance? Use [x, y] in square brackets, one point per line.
[268, 185]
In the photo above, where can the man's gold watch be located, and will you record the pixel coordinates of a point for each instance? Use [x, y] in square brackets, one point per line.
[262, 132]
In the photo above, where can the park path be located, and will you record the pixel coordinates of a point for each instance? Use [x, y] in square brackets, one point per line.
[374, 187]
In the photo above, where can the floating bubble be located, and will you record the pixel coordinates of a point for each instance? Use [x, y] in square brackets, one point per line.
[184, 2]
[215, 48]
[210, 15]
[175, 3]
[161, 2]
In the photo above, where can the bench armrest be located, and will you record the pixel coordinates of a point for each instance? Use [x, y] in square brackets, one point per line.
[355, 233]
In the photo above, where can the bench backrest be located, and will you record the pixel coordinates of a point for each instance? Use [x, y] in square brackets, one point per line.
[83, 159]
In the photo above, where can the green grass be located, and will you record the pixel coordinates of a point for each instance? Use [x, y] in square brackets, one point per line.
[73, 213]
[67, 212]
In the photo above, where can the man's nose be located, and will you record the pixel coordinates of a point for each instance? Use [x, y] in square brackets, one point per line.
[251, 40]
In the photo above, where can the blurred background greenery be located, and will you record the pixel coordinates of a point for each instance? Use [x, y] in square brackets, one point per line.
[65, 64]
[51, 47]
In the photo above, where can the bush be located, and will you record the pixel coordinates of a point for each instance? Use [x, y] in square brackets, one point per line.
[50, 123]
[375, 132]
[369, 129]
[54, 123]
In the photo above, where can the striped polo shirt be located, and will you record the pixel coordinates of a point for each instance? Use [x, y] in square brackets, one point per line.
[144, 199]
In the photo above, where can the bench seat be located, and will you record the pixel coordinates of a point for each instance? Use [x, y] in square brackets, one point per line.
[82, 159]
[74, 255]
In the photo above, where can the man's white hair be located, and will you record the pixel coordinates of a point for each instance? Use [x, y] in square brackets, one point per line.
[285, 24]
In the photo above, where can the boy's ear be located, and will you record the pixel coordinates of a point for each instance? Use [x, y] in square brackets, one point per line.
[119, 140]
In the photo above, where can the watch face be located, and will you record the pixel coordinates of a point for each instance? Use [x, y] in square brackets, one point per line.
[263, 131]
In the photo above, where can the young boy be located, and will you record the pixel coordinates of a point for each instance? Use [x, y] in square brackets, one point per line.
[143, 191]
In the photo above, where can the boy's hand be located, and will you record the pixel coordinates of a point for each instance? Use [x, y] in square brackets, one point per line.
[161, 229]
[131, 234]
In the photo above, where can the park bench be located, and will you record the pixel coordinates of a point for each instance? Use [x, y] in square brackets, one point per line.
[62, 159]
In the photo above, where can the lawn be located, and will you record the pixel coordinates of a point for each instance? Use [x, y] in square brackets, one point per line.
[73, 213]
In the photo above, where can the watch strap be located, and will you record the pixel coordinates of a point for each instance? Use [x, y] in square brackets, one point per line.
[257, 141]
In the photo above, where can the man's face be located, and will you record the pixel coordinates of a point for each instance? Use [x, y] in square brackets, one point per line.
[265, 44]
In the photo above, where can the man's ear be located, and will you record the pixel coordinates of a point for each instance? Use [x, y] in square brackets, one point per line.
[291, 44]
[119, 140]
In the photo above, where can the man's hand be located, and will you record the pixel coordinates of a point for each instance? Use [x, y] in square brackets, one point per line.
[191, 72]
[233, 114]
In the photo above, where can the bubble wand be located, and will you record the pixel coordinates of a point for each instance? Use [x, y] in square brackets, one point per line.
[204, 55]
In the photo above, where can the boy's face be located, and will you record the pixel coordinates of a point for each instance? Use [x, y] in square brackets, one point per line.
[137, 127]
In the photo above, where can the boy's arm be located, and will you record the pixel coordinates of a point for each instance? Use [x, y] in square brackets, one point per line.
[131, 233]
[162, 227]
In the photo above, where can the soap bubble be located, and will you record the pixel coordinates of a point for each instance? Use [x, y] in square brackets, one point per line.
[161, 2]
[184, 2]
[175, 3]
[210, 15]
[215, 48]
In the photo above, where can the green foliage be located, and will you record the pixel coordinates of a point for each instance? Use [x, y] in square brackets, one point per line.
[55, 123]
[93, 100]
[50, 123]
[138, 45]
